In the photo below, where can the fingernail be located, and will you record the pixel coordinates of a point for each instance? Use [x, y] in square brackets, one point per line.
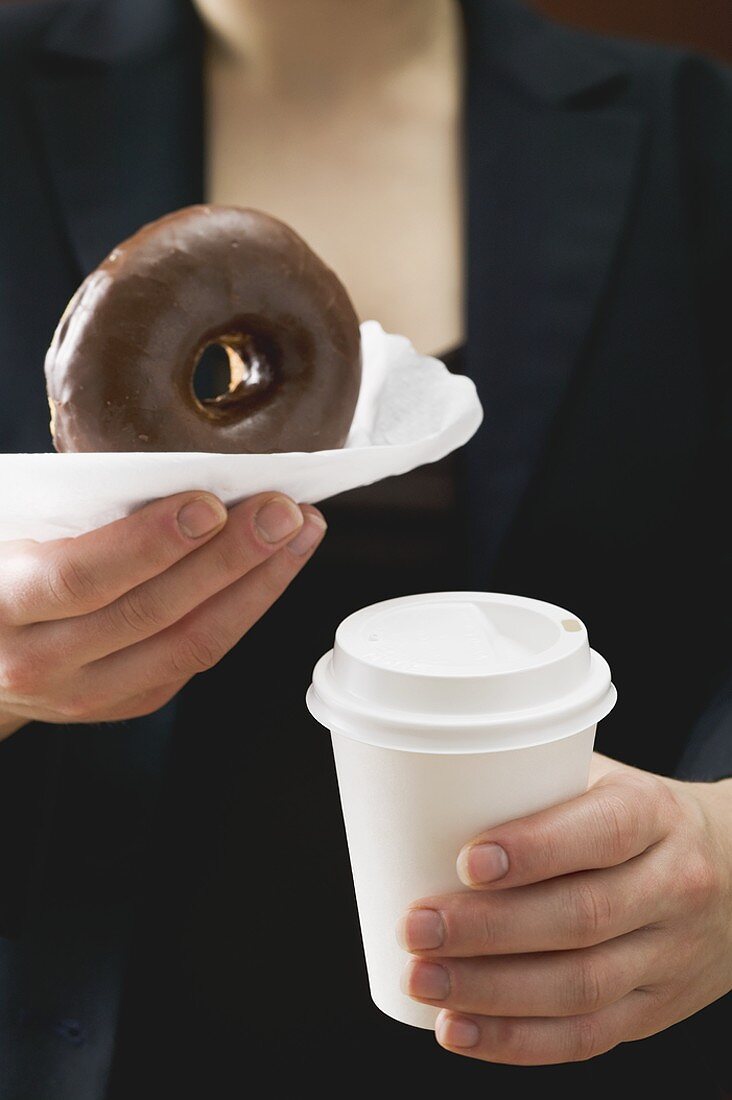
[483, 863]
[277, 519]
[312, 532]
[457, 1031]
[200, 517]
[425, 979]
[421, 929]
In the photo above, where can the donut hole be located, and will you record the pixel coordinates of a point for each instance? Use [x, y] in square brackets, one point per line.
[212, 376]
[233, 371]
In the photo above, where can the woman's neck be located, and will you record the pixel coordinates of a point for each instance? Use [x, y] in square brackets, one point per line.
[314, 49]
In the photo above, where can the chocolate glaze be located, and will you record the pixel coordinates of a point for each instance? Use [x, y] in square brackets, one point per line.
[120, 368]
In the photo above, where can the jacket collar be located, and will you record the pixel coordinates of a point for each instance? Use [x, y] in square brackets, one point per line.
[113, 31]
[552, 158]
[132, 68]
[548, 62]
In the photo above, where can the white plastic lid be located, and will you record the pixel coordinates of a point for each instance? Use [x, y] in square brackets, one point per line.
[460, 672]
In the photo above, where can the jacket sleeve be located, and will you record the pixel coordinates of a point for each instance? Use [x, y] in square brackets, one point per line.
[705, 108]
[78, 804]
[29, 765]
[708, 753]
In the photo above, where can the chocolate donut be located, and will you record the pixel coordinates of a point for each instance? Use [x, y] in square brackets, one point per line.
[120, 369]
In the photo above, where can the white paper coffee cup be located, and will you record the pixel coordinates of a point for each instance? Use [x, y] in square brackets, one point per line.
[450, 713]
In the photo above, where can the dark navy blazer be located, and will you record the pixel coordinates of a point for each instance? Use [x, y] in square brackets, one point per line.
[599, 239]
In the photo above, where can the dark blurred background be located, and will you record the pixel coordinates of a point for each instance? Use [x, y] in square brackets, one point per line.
[704, 25]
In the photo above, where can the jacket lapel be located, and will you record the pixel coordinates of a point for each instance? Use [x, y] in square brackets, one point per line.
[552, 155]
[129, 68]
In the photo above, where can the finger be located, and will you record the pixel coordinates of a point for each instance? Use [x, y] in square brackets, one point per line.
[554, 983]
[621, 816]
[536, 1041]
[564, 913]
[198, 641]
[68, 577]
[254, 531]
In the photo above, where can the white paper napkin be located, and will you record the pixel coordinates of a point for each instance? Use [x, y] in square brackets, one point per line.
[410, 411]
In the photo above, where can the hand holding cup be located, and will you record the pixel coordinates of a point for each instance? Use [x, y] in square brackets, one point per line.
[600, 921]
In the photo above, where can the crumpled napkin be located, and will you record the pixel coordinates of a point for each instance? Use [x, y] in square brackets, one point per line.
[410, 411]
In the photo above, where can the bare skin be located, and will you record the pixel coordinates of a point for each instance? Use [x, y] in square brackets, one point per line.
[598, 922]
[111, 624]
[353, 138]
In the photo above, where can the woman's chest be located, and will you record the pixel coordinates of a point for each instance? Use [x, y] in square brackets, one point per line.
[378, 194]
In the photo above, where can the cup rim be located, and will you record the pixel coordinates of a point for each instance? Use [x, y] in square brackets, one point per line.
[463, 733]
